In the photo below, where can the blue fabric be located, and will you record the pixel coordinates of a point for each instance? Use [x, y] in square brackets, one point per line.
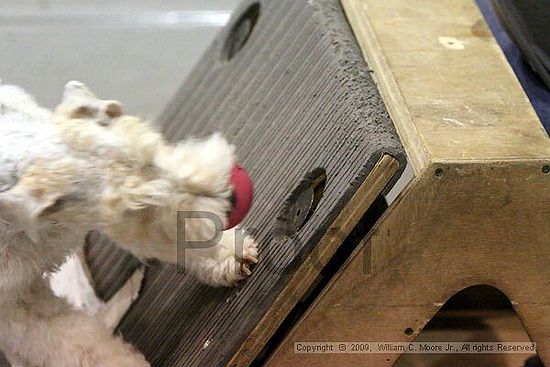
[536, 90]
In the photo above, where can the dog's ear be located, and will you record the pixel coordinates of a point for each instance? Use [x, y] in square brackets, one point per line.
[28, 210]
[77, 90]
[80, 103]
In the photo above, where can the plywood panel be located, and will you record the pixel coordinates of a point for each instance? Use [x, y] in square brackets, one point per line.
[447, 85]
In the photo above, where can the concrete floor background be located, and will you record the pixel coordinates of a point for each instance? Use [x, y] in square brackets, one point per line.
[138, 52]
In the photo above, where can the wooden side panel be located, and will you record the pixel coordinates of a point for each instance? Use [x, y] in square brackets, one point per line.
[448, 87]
[462, 226]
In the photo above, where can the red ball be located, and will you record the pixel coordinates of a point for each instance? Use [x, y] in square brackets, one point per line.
[243, 193]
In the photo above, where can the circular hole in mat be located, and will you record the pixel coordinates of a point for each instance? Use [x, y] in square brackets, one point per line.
[241, 31]
[300, 204]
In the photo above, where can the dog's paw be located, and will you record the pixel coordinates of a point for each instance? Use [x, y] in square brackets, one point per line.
[235, 262]
[246, 259]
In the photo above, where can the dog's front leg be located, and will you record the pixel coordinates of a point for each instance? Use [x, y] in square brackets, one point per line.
[215, 257]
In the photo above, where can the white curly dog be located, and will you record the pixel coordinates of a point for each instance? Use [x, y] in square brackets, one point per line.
[88, 166]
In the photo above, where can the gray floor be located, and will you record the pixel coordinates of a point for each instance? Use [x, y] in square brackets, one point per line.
[138, 52]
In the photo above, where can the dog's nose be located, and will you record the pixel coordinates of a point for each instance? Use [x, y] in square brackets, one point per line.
[243, 193]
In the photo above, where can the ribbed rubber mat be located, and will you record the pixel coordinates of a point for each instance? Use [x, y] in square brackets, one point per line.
[297, 96]
[102, 254]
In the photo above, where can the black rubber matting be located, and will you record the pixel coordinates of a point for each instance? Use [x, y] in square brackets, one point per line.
[294, 94]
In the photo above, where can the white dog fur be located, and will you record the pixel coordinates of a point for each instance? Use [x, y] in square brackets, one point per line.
[89, 166]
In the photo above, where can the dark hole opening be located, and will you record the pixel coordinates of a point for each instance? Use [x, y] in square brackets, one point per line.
[470, 315]
[300, 205]
[241, 31]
